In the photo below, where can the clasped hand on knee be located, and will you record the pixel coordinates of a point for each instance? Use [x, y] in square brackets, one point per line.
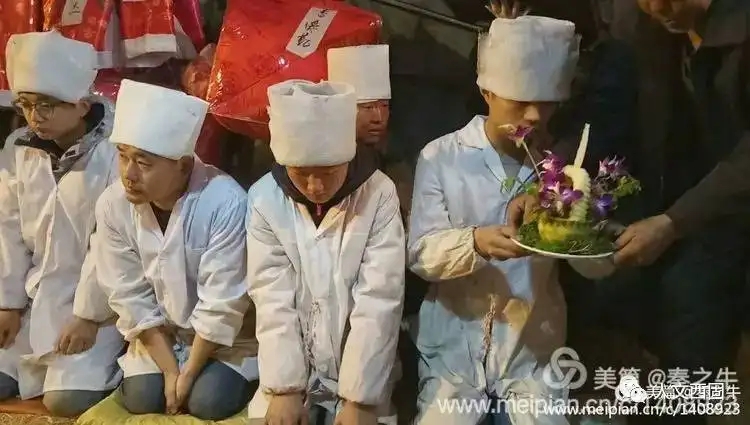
[10, 325]
[176, 390]
[77, 336]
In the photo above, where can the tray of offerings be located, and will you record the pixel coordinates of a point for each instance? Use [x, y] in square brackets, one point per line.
[573, 208]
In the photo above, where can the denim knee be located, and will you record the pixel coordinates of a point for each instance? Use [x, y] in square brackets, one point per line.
[318, 415]
[143, 394]
[219, 393]
[8, 387]
[71, 403]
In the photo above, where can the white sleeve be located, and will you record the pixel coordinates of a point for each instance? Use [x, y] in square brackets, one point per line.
[15, 257]
[378, 295]
[222, 294]
[120, 275]
[272, 283]
[90, 300]
[436, 250]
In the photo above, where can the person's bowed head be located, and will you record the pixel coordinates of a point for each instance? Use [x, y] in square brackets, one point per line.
[155, 132]
[313, 136]
[324, 112]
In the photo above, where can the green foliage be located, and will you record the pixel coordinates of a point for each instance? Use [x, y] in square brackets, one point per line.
[531, 188]
[524, 187]
[507, 185]
[626, 186]
[586, 244]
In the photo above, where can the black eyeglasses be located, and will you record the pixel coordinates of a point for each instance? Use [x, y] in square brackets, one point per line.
[45, 109]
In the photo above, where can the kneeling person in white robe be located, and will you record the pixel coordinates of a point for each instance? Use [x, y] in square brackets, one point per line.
[491, 319]
[326, 260]
[56, 333]
[172, 260]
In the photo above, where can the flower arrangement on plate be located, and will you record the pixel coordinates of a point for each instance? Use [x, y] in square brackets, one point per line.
[573, 206]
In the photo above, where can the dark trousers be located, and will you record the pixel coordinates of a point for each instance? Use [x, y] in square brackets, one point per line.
[63, 403]
[685, 309]
[218, 393]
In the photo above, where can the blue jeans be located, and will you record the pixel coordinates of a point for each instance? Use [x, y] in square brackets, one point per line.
[69, 403]
[219, 392]
[320, 416]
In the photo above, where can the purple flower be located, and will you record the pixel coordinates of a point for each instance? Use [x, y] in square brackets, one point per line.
[521, 132]
[611, 168]
[551, 185]
[552, 163]
[549, 179]
[568, 196]
[557, 197]
[604, 204]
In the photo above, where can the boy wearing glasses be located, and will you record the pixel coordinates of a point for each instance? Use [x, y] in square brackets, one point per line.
[55, 335]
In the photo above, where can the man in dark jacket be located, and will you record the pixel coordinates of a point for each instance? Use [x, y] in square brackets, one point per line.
[696, 79]
[694, 105]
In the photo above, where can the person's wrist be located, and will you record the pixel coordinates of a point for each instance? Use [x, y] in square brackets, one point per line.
[171, 374]
[150, 333]
[477, 245]
[85, 321]
[290, 394]
[358, 406]
[13, 310]
[189, 372]
[668, 227]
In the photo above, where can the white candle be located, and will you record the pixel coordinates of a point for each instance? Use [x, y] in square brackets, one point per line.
[582, 147]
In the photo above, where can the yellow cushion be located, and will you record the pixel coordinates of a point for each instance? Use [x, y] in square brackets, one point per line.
[25, 419]
[110, 412]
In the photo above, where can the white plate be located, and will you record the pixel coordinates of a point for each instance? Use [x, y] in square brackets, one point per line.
[562, 256]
